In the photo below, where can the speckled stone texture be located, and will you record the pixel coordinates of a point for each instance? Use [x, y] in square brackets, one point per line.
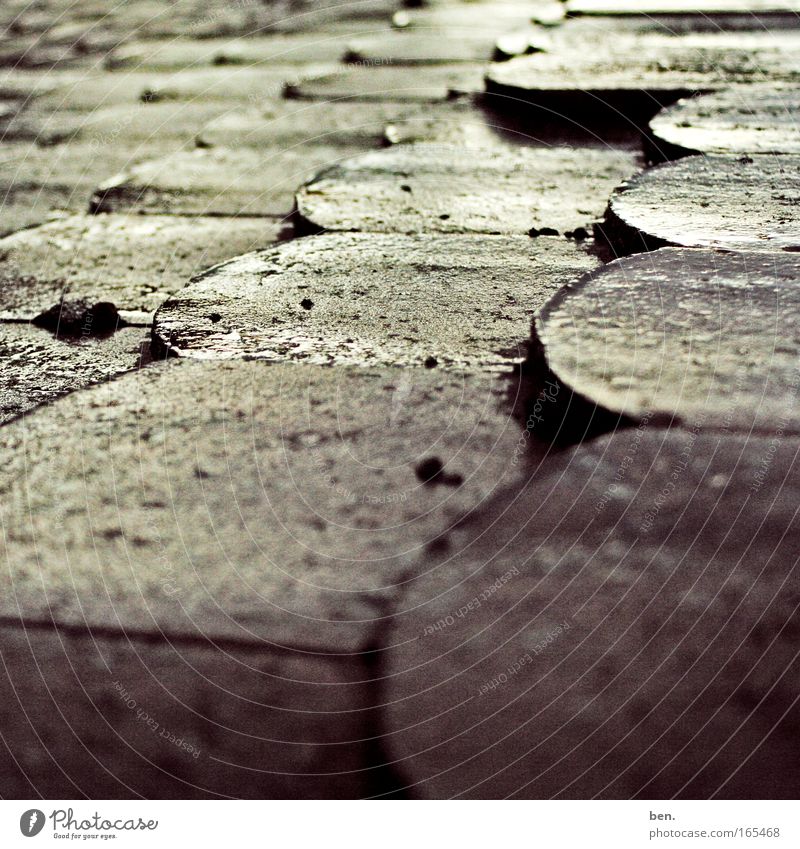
[741, 120]
[244, 501]
[621, 624]
[718, 201]
[365, 299]
[134, 262]
[707, 338]
[429, 188]
[39, 367]
[630, 74]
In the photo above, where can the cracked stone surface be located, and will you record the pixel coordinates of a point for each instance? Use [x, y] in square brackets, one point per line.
[134, 262]
[702, 336]
[634, 72]
[751, 119]
[38, 367]
[388, 299]
[622, 624]
[719, 201]
[437, 188]
[216, 181]
[275, 472]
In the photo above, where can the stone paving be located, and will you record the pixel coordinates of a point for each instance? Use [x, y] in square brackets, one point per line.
[399, 400]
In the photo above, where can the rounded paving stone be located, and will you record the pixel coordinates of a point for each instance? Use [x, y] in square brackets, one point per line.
[703, 8]
[719, 201]
[747, 119]
[623, 625]
[134, 262]
[448, 188]
[249, 501]
[709, 338]
[630, 73]
[363, 299]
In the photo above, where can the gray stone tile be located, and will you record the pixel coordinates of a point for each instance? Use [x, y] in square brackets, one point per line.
[719, 201]
[349, 124]
[383, 82]
[634, 72]
[749, 119]
[80, 91]
[704, 8]
[125, 717]
[125, 125]
[245, 501]
[39, 183]
[429, 188]
[620, 623]
[370, 299]
[700, 336]
[38, 367]
[134, 262]
[325, 45]
[216, 181]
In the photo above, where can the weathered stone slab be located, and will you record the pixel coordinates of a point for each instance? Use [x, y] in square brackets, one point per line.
[749, 119]
[622, 625]
[449, 301]
[234, 84]
[134, 262]
[243, 501]
[217, 181]
[349, 123]
[422, 47]
[126, 717]
[701, 8]
[38, 367]
[719, 201]
[369, 81]
[633, 73]
[426, 188]
[126, 125]
[40, 183]
[28, 206]
[469, 19]
[327, 45]
[700, 336]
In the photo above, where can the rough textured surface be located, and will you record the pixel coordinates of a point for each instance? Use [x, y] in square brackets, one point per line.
[750, 119]
[40, 183]
[455, 301]
[429, 83]
[38, 367]
[135, 262]
[307, 48]
[122, 125]
[732, 202]
[625, 624]
[681, 7]
[703, 336]
[130, 718]
[217, 181]
[347, 124]
[242, 501]
[439, 188]
[88, 91]
[632, 73]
